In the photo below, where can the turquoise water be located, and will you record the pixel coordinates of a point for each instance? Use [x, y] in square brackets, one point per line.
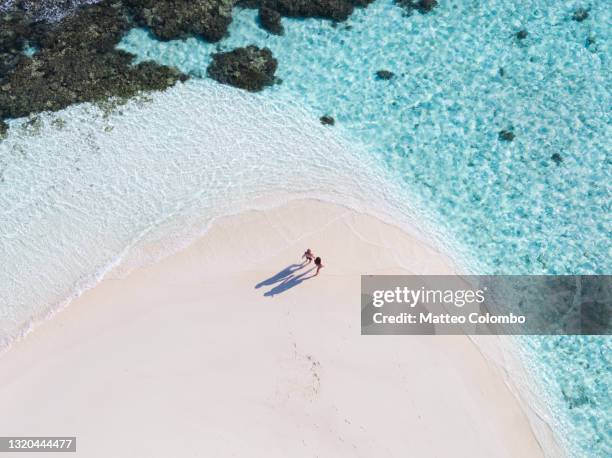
[461, 77]
[576, 380]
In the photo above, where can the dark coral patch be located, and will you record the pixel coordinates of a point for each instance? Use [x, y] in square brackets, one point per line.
[94, 29]
[422, 6]
[580, 14]
[17, 30]
[336, 10]
[327, 120]
[174, 19]
[556, 158]
[521, 34]
[48, 82]
[270, 20]
[249, 68]
[76, 61]
[384, 75]
[506, 135]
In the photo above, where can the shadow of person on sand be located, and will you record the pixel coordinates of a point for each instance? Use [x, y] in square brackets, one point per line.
[282, 275]
[290, 282]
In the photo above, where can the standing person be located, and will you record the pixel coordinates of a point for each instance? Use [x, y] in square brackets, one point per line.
[319, 265]
[308, 255]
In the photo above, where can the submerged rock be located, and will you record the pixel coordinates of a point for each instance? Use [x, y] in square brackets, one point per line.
[174, 19]
[336, 10]
[556, 158]
[93, 29]
[17, 30]
[249, 68]
[425, 6]
[590, 41]
[521, 34]
[270, 20]
[327, 120]
[580, 14]
[422, 6]
[8, 61]
[3, 128]
[384, 75]
[14, 31]
[575, 396]
[51, 82]
[506, 135]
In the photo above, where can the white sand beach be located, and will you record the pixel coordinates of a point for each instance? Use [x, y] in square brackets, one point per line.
[187, 357]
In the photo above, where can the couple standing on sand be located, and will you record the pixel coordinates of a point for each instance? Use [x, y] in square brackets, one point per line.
[309, 256]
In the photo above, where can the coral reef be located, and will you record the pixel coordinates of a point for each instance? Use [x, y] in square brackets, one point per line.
[249, 68]
[422, 6]
[75, 61]
[270, 20]
[55, 53]
[270, 11]
[336, 10]
[172, 19]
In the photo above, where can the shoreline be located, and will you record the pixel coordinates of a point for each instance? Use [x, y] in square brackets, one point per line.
[134, 257]
[186, 212]
[381, 238]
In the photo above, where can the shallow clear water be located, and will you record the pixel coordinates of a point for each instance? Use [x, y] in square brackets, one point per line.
[576, 376]
[461, 77]
[425, 141]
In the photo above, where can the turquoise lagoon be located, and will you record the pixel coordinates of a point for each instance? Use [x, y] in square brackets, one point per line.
[427, 141]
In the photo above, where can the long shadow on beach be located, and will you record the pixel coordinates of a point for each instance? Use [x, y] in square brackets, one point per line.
[289, 282]
[282, 275]
[286, 278]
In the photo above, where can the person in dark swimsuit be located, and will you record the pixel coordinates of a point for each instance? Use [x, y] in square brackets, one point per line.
[308, 255]
[319, 265]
